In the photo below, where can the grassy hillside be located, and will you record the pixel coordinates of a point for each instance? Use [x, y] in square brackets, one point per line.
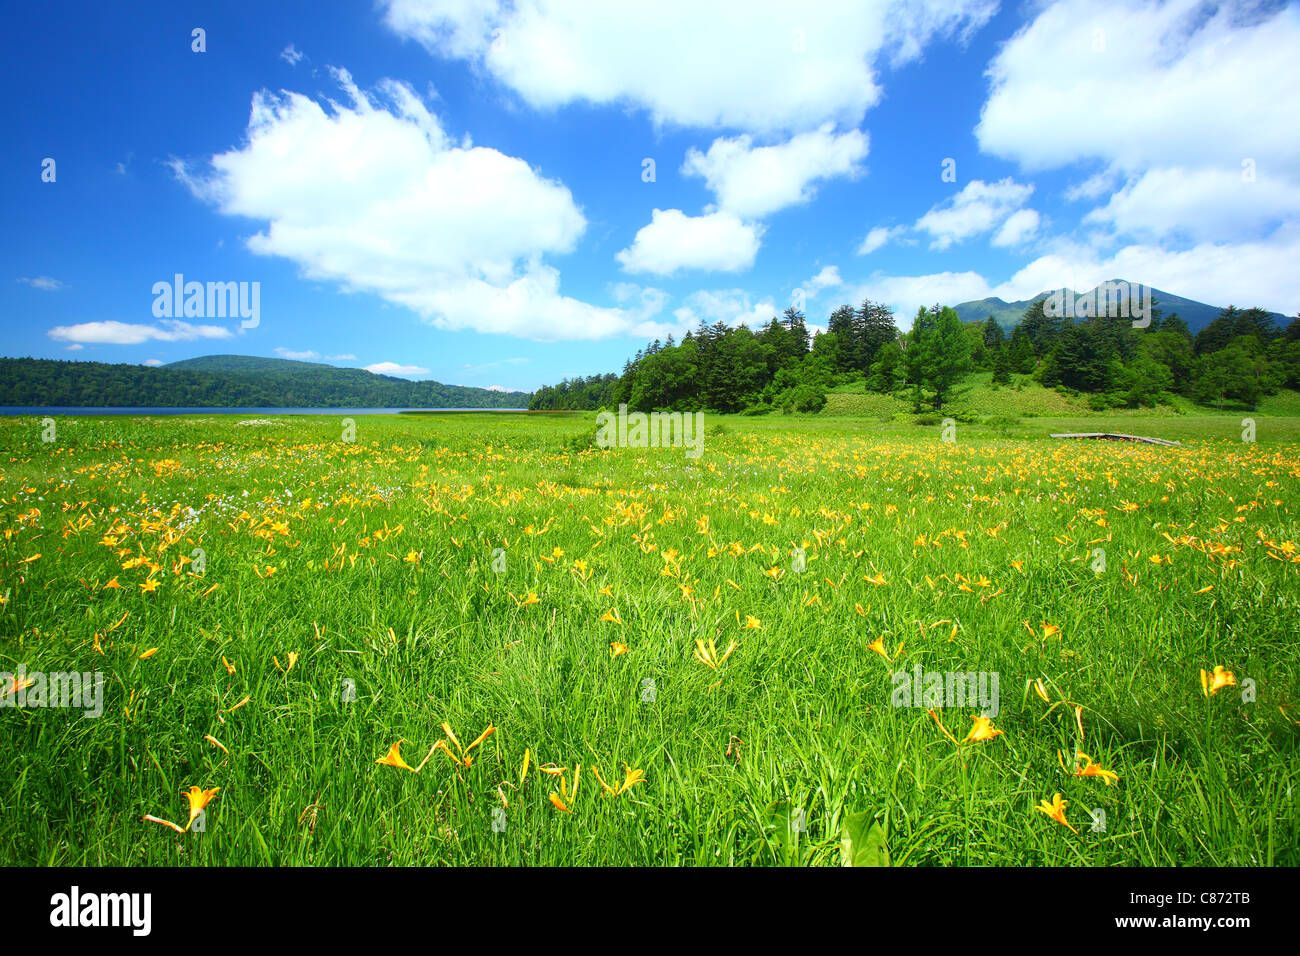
[1025, 408]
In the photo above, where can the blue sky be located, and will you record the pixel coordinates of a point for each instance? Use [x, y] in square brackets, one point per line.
[459, 191]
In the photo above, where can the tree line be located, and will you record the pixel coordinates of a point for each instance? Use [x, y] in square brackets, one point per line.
[30, 381]
[1239, 357]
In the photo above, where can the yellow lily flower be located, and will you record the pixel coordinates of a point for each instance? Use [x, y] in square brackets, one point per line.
[394, 758]
[1211, 684]
[1056, 810]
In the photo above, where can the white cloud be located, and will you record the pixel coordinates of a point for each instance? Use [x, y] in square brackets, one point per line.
[1246, 274]
[762, 67]
[754, 182]
[979, 208]
[673, 241]
[1018, 228]
[122, 333]
[303, 356]
[1201, 204]
[42, 282]
[730, 306]
[905, 294]
[375, 197]
[878, 237]
[1092, 187]
[1174, 80]
[392, 368]
[1189, 110]
[153, 363]
[75, 347]
[311, 355]
[290, 55]
[828, 278]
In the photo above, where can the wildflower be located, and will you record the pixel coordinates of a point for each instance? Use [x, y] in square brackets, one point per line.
[461, 756]
[631, 779]
[708, 656]
[983, 729]
[878, 645]
[394, 758]
[1055, 808]
[1211, 684]
[1089, 769]
[198, 800]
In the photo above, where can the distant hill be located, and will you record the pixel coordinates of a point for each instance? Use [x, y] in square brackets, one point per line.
[231, 380]
[1197, 315]
[246, 364]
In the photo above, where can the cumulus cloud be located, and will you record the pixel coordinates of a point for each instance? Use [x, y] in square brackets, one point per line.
[1198, 204]
[794, 72]
[1252, 273]
[290, 55]
[302, 356]
[730, 306]
[673, 241]
[1169, 81]
[1017, 228]
[1189, 112]
[393, 368]
[374, 196]
[153, 363]
[754, 182]
[979, 208]
[878, 237]
[828, 278]
[123, 333]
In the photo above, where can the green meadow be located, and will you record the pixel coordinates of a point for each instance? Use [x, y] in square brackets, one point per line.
[480, 639]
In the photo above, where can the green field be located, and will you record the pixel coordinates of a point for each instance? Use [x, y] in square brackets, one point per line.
[498, 571]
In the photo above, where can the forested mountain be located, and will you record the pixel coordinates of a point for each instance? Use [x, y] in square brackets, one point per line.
[231, 380]
[1197, 315]
[1237, 357]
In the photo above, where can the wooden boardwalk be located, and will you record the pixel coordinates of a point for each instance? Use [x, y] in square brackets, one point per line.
[1115, 436]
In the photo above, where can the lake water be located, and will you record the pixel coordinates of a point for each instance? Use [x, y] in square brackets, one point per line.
[44, 410]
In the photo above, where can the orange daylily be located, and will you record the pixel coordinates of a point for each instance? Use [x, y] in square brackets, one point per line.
[631, 779]
[1089, 769]
[1211, 684]
[983, 729]
[461, 756]
[198, 800]
[394, 758]
[1055, 808]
